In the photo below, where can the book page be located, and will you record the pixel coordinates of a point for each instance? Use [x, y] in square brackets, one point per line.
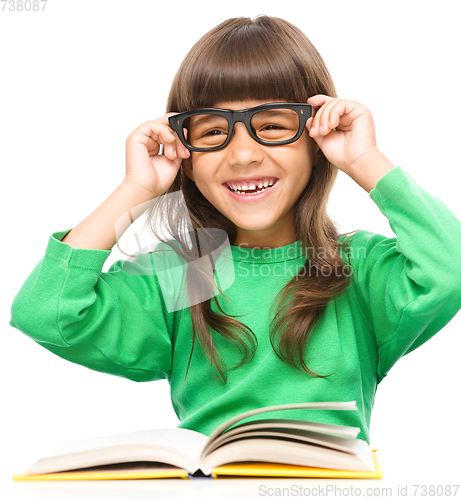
[350, 405]
[307, 433]
[184, 441]
[287, 452]
[288, 423]
[180, 447]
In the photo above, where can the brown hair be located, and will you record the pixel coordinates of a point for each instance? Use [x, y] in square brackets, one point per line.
[240, 59]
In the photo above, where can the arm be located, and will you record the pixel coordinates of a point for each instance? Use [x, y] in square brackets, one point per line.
[369, 169]
[99, 230]
[408, 287]
[112, 322]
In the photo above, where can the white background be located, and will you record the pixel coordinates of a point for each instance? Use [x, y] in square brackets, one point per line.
[80, 76]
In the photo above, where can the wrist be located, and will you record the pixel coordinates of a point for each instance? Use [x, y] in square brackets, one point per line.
[133, 189]
[368, 169]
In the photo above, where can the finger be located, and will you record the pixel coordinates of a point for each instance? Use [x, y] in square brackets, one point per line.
[162, 130]
[151, 134]
[348, 114]
[341, 113]
[316, 102]
[322, 101]
[333, 116]
[319, 99]
[314, 122]
[324, 120]
[180, 149]
[309, 123]
[152, 145]
[321, 119]
[154, 141]
[163, 134]
[169, 146]
[316, 137]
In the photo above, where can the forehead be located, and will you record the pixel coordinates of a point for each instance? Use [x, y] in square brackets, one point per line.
[239, 105]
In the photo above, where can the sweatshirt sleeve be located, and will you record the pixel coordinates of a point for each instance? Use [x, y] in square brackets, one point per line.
[110, 322]
[409, 286]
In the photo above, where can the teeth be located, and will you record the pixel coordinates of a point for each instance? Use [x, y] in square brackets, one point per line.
[236, 187]
[262, 187]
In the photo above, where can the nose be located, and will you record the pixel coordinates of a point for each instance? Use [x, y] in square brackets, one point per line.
[242, 148]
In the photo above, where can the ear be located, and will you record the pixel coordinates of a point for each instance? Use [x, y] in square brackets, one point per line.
[188, 169]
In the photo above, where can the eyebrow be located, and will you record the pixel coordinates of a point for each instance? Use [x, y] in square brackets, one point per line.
[206, 118]
[270, 112]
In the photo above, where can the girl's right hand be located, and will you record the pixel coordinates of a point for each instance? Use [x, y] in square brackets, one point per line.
[147, 169]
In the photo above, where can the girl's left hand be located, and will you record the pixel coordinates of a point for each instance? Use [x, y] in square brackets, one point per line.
[354, 138]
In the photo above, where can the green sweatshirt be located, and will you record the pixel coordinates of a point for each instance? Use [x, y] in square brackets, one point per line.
[403, 290]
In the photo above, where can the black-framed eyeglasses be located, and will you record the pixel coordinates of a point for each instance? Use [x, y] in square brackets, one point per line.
[272, 124]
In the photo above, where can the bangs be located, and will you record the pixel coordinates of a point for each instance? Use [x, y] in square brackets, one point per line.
[249, 61]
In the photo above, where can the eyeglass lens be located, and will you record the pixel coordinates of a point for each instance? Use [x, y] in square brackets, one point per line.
[208, 130]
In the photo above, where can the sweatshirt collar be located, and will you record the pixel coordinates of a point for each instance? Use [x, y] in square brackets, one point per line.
[267, 255]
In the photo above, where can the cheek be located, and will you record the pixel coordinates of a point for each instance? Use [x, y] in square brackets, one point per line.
[203, 181]
[206, 168]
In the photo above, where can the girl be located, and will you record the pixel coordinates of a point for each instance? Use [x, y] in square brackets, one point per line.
[324, 316]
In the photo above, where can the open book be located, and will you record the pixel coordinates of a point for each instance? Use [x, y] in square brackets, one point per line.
[264, 447]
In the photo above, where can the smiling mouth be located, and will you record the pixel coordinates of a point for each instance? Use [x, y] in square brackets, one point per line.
[249, 192]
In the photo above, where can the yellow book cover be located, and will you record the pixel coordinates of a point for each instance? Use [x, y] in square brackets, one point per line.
[284, 470]
[241, 470]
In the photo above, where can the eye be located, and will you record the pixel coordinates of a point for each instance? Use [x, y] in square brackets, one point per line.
[213, 132]
[273, 127]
